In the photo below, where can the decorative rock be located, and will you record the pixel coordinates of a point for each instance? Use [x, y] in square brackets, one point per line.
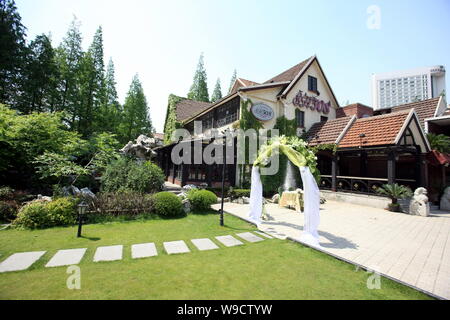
[187, 207]
[66, 258]
[229, 241]
[86, 193]
[142, 149]
[44, 198]
[111, 253]
[419, 203]
[189, 187]
[445, 200]
[250, 237]
[245, 200]
[204, 244]
[20, 261]
[144, 250]
[176, 247]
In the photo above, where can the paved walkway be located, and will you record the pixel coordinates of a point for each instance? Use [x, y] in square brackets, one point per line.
[412, 249]
[24, 260]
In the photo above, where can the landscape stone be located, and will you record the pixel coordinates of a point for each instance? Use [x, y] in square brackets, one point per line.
[111, 253]
[20, 261]
[229, 241]
[250, 237]
[419, 203]
[175, 247]
[143, 250]
[204, 244]
[66, 258]
[445, 200]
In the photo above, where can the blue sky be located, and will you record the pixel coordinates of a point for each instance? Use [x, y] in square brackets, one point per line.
[162, 40]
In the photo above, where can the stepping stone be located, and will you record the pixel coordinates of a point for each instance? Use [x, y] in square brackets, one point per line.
[20, 261]
[66, 258]
[264, 234]
[176, 247]
[229, 241]
[204, 244]
[111, 253]
[143, 250]
[250, 237]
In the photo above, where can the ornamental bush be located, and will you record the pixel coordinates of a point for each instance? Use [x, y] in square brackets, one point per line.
[126, 174]
[239, 193]
[8, 210]
[41, 214]
[202, 200]
[167, 204]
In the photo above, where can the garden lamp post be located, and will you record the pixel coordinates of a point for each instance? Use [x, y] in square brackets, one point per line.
[82, 207]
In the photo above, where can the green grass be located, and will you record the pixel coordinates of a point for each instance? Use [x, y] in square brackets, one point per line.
[271, 269]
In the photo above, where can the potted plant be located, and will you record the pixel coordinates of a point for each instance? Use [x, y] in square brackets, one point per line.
[395, 192]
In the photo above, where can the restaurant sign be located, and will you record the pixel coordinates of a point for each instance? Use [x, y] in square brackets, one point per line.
[262, 112]
[303, 100]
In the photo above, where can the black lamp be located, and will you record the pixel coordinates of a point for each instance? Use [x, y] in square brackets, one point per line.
[82, 207]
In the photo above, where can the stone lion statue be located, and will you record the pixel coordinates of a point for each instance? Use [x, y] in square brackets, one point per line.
[419, 205]
[445, 200]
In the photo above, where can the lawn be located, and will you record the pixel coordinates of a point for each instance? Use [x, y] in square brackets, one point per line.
[272, 269]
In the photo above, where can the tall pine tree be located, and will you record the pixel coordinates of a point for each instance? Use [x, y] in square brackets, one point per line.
[69, 57]
[12, 52]
[110, 113]
[40, 77]
[136, 118]
[232, 81]
[199, 89]
[217, 93]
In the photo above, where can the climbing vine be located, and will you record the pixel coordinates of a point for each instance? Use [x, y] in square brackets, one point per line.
[171, 123]
[325, 147]
[286, 127]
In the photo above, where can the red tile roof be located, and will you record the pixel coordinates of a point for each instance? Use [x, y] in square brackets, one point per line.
[358, 109]
[327, 132]
[290, 73]
[186, 108]
[378, 130]
[424, 109]
[248, 83]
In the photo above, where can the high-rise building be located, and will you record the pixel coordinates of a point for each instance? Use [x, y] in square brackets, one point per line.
[395, 88]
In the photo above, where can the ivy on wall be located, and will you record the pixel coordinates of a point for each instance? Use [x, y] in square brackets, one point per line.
[325, 147]
[286, 127]
[171, 123]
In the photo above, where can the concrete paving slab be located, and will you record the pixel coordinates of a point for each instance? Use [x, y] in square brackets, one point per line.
[176, 247]
[66, 258]
[143, 250]
[250, 237]
[20, 261]
[229, 241]
[110, 253]
[204, 244]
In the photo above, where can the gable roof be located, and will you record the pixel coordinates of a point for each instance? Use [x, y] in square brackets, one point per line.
[377, 130]
[289, 74]
[329, 132]
[242, 83]
[187, 108]
[425, 109]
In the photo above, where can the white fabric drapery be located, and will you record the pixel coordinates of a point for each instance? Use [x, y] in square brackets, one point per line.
[311, 203]
[256, 196]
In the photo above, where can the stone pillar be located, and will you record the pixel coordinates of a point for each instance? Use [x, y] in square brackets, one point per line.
[391, 167]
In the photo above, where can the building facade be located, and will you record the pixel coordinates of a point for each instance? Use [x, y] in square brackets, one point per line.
[396, 88]
[368, 149]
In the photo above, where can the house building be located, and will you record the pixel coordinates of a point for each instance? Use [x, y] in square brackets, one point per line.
[371, 148]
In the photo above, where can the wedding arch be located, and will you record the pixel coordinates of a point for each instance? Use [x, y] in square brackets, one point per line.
[298, 153]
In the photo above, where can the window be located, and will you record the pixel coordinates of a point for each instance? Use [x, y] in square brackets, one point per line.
[300, 118]
[312, 84]
[323, 119]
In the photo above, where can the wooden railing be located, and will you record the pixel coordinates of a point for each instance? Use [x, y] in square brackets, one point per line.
[363, 185]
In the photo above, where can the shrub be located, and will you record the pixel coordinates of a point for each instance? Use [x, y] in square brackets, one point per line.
[126, 174]
[40, 214]
[167, 204]
[8, 210]
[6, 193]
[239, 193]
[202, 200]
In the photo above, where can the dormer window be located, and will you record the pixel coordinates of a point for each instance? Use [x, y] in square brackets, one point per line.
[312, 84]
